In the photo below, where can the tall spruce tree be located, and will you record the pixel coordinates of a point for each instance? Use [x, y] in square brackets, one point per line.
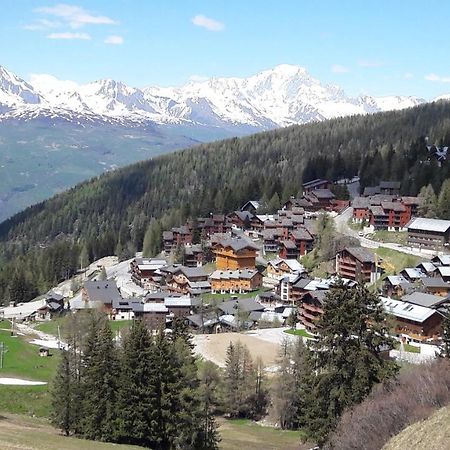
[346, 358]
[428, 207]
[63, 403]
[445, 345]
[100, 383]
[444, 201]
[136, 395]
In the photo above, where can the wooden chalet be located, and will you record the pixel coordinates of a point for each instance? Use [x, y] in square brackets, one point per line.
[303, 240]
[311, 309]
[288, 249]
[235, 254]
[358, 264]
[235, 281]
[429, 233]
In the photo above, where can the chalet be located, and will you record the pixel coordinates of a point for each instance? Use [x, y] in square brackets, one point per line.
[100, 295]
[429, 233]
[288, 250]
[145, 272]
[412, 274]
[303, 240]
[180, 306]
[441, 260]
[311, 309]
[416, 321]
[123, 309]
[271, 239]
[243, 305]
[390, 187]
[279, 268]
[358, 264]
[240, 219]
[194, 256]
[153, 314]
[396, 286]
[235, 281]
[175, 237]
[187, 280]
[301, 202]
[235, 254]
[251, 206]
[168, 241]
[320, 199]
[216, 223]
[428, 268]
[45, 308]
[360, 207]
[436, 286]
[318, 183]
[203, 321]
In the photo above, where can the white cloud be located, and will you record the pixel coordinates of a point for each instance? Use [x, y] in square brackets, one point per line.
[408, 76]
[81, 36]
[114, 40]
[75, 16]
[439, 79]
[42, 24]
[337, 68]
[369, 63]
[208, 23]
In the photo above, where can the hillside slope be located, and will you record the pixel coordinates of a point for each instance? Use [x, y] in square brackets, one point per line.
[110, 214]
[430, 434]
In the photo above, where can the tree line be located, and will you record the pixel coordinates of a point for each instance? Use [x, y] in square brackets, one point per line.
[111, 214]
[151, 391]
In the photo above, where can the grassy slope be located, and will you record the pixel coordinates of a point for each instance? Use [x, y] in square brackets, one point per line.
[26, 433]
[240, 434]
[430, 434]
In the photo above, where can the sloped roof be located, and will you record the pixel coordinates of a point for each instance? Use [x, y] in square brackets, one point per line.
[405, 310]
[422, 299]
[238, 244]
[361, 254]
[433, 225]
[390, 184]
[102, 291]
[243, 304]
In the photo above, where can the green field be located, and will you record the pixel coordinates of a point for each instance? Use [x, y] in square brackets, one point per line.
[396, 237]
[244, 434]
[117, 325]
[408, 348]
[22, 360]
[51, 327]
[300, 332]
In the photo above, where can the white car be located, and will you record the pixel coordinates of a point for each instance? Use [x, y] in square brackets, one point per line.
[360, 233]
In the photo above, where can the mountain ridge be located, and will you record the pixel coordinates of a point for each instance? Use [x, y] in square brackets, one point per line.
[282, 96]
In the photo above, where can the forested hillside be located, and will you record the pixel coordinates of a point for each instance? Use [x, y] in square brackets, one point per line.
[111, 213]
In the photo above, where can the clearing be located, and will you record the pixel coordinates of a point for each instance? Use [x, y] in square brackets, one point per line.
[213, 347]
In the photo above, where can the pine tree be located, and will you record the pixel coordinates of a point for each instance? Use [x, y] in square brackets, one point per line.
[346, 356]
[100, 383]
[63, 407]
[444, 201]
[136, 395]
[208, 394]
[428, 207]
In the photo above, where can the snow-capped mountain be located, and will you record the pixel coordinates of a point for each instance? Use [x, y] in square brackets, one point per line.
[281, 96]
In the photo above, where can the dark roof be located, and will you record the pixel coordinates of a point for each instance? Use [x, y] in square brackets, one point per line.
[390, 184]
[317, 182]
[302, 283]
[238, 244]
[427, 300]
[318, 295]
[360, 202]
[243, 215]
[302, 234]
[243, 304]
[322, 193]
[289, 244]
[438, 282]
[361, 254]
[102, 291]
[371, 190]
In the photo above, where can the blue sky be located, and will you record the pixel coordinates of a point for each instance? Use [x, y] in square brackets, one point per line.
[374, 47]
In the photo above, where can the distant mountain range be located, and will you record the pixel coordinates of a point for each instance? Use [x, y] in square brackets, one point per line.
[281, 96]
[54, 134]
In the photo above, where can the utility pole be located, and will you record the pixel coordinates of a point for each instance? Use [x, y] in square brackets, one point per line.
[1, 355]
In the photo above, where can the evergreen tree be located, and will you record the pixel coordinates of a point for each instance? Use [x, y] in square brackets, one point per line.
[444, 201]
[428, 207]
[346, 356]
[63, 407]
[136, 395]
[100, 383]
[208, 393]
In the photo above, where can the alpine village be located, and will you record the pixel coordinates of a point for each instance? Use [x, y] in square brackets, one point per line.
[253, 262]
